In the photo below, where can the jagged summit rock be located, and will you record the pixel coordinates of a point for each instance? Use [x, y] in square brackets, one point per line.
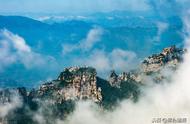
[74, 83]
[81, 83]
[68, 73]
[113, 79]
[170, 56]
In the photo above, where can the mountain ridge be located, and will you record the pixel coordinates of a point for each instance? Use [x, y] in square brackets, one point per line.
[82, 83]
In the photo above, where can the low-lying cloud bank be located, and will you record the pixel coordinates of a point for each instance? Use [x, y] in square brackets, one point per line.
[171, 100]
[118, 59]
[14, 49]
[168, 101]
[103, 61]
[7, 107]
[93, 37]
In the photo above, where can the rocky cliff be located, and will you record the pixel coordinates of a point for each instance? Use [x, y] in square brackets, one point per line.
[152, 66]
[74, 83]
[82, 83]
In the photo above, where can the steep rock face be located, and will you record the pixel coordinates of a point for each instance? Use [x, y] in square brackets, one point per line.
[6, 95]
[170, 57]
[152, 66]
[113, 79]
[57, 96]
[116, 80]
[74, 83]
[81, 83]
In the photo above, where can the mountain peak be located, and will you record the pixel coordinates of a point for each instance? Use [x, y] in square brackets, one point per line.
[82, 83]
[170, 56]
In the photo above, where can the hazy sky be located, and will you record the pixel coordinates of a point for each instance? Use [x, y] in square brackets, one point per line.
[71, 6]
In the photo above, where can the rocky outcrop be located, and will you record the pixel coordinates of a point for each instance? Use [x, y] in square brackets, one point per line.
[113, 79]
[81, 83]
[116, 80]
[74, 83]
[170, 56]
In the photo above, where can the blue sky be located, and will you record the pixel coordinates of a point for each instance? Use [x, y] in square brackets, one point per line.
[18, 7]
[71, 6]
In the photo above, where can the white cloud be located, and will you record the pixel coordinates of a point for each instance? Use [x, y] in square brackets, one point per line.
[7, 107]
[169, 100]
[14, 49]
[93, 37]
[162, 26]
[17, 41]
[60, 19]
[123, 60]
[6, 58]
[67, 48]
[119, 60]
[98, 59]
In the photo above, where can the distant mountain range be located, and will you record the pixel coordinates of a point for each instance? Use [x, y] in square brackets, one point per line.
[142, 35]
[119, 27]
